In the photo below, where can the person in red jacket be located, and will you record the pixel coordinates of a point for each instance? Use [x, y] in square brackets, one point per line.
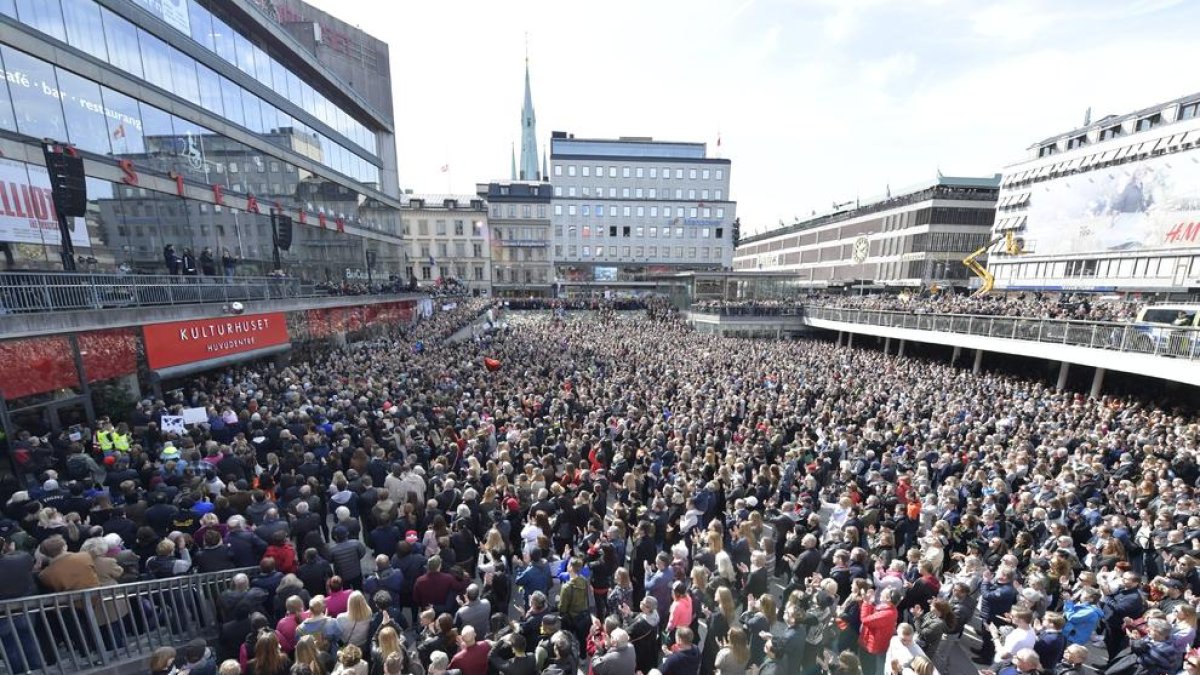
[878, 627]
[436, 588]
[284, 553]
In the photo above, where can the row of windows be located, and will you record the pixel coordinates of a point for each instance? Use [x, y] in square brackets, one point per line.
[957, 242]
[639, 172]
[217, 35]
[526, 211]
[639, 252]
[459, 250]
[639, 211]
[1127, 268]
[132, 225]
[641, 232]
[636, 193]
[105, 35]
[457, 271]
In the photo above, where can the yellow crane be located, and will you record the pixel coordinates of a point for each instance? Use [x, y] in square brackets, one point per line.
[1012, 246]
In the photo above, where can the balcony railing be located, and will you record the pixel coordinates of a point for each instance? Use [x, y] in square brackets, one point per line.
[79, 631]
[32, 292]
[1121, 337]
[748, 310]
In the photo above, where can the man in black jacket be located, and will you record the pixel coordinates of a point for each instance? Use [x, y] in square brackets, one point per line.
[520, 663]
[247, 547]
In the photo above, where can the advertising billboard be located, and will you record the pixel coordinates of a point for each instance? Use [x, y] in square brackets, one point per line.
[1153, 204]
[27, 207]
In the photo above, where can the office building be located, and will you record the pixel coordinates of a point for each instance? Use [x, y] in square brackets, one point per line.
[916, 237]
[624, 208]
[1110, 206]
[200, 124]
[447, 239]
[519, 237]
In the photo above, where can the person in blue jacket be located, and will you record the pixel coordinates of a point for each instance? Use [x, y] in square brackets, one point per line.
[998, 597]
[1083, 615]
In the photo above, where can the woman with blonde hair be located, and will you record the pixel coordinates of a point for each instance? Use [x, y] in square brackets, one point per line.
[723, 616]
[350, 662]
[355, 622]
[734, 655]
[309, 654]
[387, 642]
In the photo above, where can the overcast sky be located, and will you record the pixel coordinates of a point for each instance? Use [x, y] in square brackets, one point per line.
[815, 101]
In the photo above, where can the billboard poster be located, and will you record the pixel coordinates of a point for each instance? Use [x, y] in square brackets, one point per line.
[179, 342]
[1153, 204]
[27, 207]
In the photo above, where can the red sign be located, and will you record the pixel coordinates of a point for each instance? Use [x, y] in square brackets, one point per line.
[178, 342]
[108, 353]
[35, 366]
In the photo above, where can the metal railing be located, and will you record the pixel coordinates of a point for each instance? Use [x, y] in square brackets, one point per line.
[1121, 337]
[747, 310]
[78, 631]
[32, 292]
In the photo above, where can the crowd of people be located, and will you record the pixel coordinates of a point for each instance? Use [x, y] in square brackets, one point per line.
[628, 496]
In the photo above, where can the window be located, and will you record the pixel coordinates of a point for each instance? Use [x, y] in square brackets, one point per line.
[625, 193]
[641, 232]
[704, 232]
[641, 211]
[625, 251]
[612, 230]
[651, 251]
[625, 211]
[678, 193]
[612, 172]
[541, 211]
[625, 231]
[599, 171]
[706, 212]
[599, 210]
[1077, 142]
[637, 193]
[679, 232]
[587, 232]
[1186, 111]
[640, 172]
[440, 228]
[666, 173]
[558, 209]
[612, 212]
[704, 174]
[678, 211]
[654, 172]
[1111, 132]
[691, 252]
[720, 233]
[557, 190]
[691, 194]
[571, 191]
[678, 251]
[612, 250]
[692, 174]
[704, 194]
[571, 232]
[653, 232]
[612, 192]
[426, 273]
[717, 194]
[653, 211]
[458, 228]
[476, 250]
[653, 193]
[1149, 122]
[571, 170]
[571, 210]
[679, 174]
[558, 250]
[460, 249]
[558, 169]
[624, 172]
[720, 174]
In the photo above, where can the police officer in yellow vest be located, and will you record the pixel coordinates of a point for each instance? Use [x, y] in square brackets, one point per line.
[121, 438]
[104, 436]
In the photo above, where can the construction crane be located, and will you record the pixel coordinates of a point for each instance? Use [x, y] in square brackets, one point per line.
[1012, 246]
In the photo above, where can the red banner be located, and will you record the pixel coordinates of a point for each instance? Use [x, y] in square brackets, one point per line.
[35, 366]
[179, 342]
[108, 353]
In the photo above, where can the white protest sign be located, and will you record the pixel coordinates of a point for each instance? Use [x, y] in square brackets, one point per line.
[173, 424]
[195, 415]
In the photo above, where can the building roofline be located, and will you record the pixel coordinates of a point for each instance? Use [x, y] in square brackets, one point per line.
[1112, 120]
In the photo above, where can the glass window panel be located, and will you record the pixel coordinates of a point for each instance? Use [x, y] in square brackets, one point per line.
[122, 40]
[191, 155]
[156, 59]
[210, 89]
[34, 91]
[201, 25]
[253, 107]
[159, 136]
[224, 40]
[8, 8]
[262, 66]
[183, 76]
[309, 98]
[81, 18]
[124, 123]
[279, 78]
[231, 100]
[43, 15]
[245, 53]
[7, 120]
[294, 88]
[152, 6]
[84, 112]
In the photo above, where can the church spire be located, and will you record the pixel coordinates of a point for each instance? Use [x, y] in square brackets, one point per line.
[514, 161]
[529, 162]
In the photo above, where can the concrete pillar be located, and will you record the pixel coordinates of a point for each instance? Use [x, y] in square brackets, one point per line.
[849, 339]
[957, 353]
[839, 339]
[900, 350]
[887, 345]
[1064, 369]
[978, 362]
[1097, 382]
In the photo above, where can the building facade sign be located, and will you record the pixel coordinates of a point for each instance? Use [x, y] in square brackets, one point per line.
[179, 342]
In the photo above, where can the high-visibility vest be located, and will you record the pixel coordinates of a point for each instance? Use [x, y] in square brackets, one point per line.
[104, 440]
[120, 442]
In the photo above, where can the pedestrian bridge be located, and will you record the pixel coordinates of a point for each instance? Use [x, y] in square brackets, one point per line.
[1099, 345]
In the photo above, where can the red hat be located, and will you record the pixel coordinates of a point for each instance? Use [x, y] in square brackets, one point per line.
[411, 536]
[512, 504]
[387, 405]
[110, 460]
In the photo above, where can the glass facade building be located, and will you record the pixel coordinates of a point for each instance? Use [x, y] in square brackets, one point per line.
[196, 119]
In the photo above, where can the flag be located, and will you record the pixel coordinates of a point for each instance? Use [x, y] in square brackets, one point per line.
[718, 140]
[432, 263]
[445, 168]
[119, 132]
